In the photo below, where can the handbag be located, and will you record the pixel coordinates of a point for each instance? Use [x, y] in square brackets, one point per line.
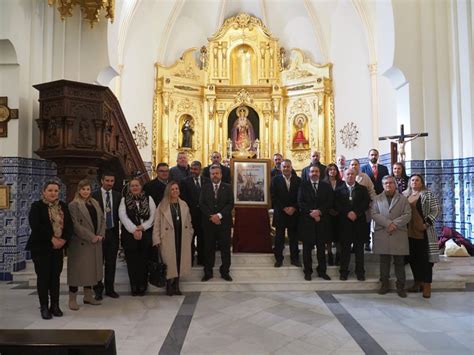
[452, 249]
[156, 269]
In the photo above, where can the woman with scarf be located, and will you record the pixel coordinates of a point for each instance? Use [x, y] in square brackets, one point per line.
[173, 232]
[401, 177]
[136, 213]
[84, 251]
[51, 228]
[422, 237]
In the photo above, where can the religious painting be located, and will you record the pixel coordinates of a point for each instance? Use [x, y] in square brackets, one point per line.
[243, 129]
[4, 197]
[300, 132]
[187, 132]
[251, 182]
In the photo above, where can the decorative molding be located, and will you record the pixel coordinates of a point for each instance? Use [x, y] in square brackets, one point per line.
[350, 135]
[140, 135]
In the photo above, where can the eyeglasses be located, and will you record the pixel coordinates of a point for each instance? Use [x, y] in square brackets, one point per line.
[163, 171]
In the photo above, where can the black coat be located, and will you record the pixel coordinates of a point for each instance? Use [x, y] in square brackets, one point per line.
[225, 173]
[305, 171]
[348, 230]
[282, 198]
[308, 200]
[382, 170]
[156, 189]
[39, 242]
[223, 204]
[116, 198]
[190, 194]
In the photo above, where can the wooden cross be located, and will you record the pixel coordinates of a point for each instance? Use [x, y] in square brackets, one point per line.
[6, 114]
[400, 141]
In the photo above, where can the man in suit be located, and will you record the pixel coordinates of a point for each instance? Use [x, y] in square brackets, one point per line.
[351, 202]
[277, 159]
[341, 165]
[109, 202]
[284, 192]
[190, 189]
[216, 202]
[315, 156]
[315, 197]
[216, 159]
[181, 170]
[375, 171]
[156, 187]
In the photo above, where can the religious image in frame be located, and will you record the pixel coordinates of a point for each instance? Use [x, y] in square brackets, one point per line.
[4, 197]
[251, 182]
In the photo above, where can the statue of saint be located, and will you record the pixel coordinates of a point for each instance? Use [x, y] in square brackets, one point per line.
[243, 134]
[299, 139]
[187, 130]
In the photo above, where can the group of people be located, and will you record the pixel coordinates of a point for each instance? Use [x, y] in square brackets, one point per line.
[185, 214]
[343, 206]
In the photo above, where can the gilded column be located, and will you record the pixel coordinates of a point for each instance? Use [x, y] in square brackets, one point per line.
[375, 115]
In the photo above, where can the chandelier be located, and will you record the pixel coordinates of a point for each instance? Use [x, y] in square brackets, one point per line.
[90, 8]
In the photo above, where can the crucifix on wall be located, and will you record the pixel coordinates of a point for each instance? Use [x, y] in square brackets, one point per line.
[6, 114]
[400, 141]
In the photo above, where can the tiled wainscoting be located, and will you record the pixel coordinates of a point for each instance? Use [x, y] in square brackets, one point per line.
[452, 181]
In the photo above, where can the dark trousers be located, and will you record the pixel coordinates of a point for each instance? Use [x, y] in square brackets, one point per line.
[320, 254]
[48, 269]
[280, 242]
[110, 247]
[213, 234]
[419, 262]
[137, 253]
[346, 257]
[197, 246]
[399, 263]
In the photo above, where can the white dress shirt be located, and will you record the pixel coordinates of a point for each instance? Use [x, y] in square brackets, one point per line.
[128, 224]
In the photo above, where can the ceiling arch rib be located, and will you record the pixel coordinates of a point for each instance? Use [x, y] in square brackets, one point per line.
[364, 16]
[320, 39]
[167, 31]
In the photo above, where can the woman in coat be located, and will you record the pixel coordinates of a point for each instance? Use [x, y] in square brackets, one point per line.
[173, 233]
[391, 213]
[136, 212]
[51, 228]
[401, 177]
[422, 238]
[85, 248]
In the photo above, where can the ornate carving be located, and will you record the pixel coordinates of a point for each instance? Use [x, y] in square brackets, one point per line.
[349, 135]
[300, 87]
[204, 57]
[300, 106]
[6, 114]
[242, 21]
[185, 88]
[84, 137]
[186, 106]
[298, 73]
[243, 96]
[140, 135]
[187, 72]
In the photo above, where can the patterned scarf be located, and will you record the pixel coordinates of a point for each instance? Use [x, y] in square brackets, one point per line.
[56, 216]
[137, 211]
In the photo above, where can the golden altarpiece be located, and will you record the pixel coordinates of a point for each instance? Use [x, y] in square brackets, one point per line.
[242, 96]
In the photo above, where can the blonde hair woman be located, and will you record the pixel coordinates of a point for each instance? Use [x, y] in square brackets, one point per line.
[85, 247]
[173, 232]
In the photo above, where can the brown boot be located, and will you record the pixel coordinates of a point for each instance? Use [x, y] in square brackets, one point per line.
[384, 288]
[89, 298]
[426, 290]
[73, 306]
[417, 287]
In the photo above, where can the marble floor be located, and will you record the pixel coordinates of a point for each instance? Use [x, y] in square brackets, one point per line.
[307, 322]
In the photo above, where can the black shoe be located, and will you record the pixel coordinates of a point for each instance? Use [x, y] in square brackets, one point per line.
[296, 263]
[134, 291]
[367, 247]
[226, 277]
[141, 291]
[324, 276]
[98, 296]
[307, 277]
[361, 277]
[45, 313]
[330, 260]
[278, 263]
[111, 294]
[55, 310]
[343, 277]
[206, 277]
[337, 259]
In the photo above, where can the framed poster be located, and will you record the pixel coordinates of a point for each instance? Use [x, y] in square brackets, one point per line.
[4, 197]
[251, 182]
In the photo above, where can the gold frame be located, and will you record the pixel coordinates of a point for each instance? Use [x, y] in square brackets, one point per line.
[266, 163]
[4, 197]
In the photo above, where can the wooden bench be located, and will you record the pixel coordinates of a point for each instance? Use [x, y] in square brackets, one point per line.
[57, 342]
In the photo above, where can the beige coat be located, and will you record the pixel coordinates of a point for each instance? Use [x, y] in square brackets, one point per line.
[163, 235]
[84, 264]
[399, 213]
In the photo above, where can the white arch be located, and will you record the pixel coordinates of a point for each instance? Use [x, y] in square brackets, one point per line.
[7, 52]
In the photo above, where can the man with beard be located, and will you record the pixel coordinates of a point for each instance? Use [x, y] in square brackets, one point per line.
[315, 197]
[375, 171]
[216, 202]
[315, 156]
[216, 159]
[190, 189]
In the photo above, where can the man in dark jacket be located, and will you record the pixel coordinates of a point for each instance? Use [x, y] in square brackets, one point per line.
[315, 156]
[181, 170]
[216, 159]
[284, 192]
[109, 202]
[156, 187]
[315, 197]
[351, 202]
[375, 171]
[190, 189]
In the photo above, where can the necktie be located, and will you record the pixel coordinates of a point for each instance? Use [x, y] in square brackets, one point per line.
[216, 188]
[108, 211]
[198, 185]
[350, 193]
[375, 171]
[315, 187]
